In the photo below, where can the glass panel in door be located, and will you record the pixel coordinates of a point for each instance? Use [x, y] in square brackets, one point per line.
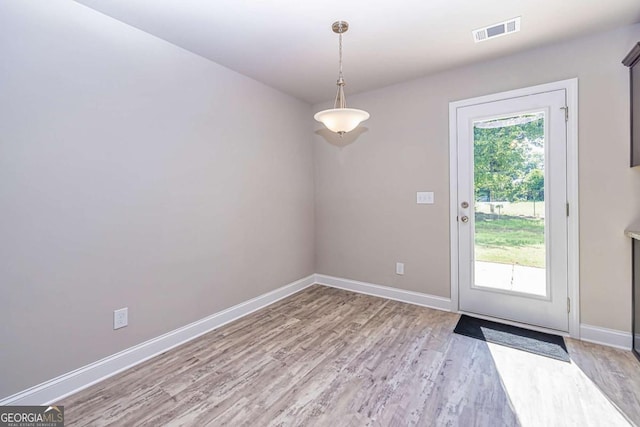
[509, 192]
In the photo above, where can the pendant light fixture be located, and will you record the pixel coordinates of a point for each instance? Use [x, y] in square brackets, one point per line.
[341, 119]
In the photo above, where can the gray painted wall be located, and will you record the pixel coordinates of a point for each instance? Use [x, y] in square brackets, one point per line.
[134, 174]
[366, 212]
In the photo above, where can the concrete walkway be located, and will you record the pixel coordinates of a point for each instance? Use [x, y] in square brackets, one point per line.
[511, 277]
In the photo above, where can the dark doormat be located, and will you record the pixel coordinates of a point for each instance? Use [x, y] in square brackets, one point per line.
[514, 337]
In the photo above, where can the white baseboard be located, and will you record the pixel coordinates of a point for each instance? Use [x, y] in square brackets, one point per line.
[594, 334]
[58, 388]
[605, 336]
[410, 297]
[53, 390]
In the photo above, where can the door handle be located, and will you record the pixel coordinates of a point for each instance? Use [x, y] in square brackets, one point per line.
[464, 219]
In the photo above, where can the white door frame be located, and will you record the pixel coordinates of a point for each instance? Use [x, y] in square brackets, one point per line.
[571, 87]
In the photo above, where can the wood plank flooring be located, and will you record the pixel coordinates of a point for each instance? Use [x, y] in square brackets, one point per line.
[328, 357]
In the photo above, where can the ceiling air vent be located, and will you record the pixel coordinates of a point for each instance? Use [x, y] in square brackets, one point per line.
[496, 30]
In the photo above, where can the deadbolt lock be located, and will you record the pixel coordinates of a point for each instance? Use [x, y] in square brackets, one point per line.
[464, 205]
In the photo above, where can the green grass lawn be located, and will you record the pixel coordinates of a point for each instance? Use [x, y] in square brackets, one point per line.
[510, 239]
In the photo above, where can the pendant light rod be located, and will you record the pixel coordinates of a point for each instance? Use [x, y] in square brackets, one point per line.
[340, 27]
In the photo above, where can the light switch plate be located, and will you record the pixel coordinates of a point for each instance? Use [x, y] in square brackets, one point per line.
[424, 197]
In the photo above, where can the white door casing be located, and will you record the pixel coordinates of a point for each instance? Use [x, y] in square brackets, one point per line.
[545, 311]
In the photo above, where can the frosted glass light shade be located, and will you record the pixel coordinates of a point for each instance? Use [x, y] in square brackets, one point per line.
[341, 120]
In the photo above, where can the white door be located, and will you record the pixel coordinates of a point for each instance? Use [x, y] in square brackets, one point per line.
[512, 209]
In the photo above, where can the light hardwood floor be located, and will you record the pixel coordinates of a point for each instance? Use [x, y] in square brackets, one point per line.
[329, 357]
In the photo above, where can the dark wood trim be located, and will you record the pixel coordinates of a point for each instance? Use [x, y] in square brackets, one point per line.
[632, 60]
[633, 56]
[631, 145]
[635, 276]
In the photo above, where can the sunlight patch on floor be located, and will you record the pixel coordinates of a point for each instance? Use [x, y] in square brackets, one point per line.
[549, 392]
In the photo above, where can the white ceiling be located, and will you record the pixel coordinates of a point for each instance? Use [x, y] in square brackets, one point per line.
[289, 45]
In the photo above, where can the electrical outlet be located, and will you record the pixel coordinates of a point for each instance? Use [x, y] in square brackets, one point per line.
[400, 268]
[120, 318]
